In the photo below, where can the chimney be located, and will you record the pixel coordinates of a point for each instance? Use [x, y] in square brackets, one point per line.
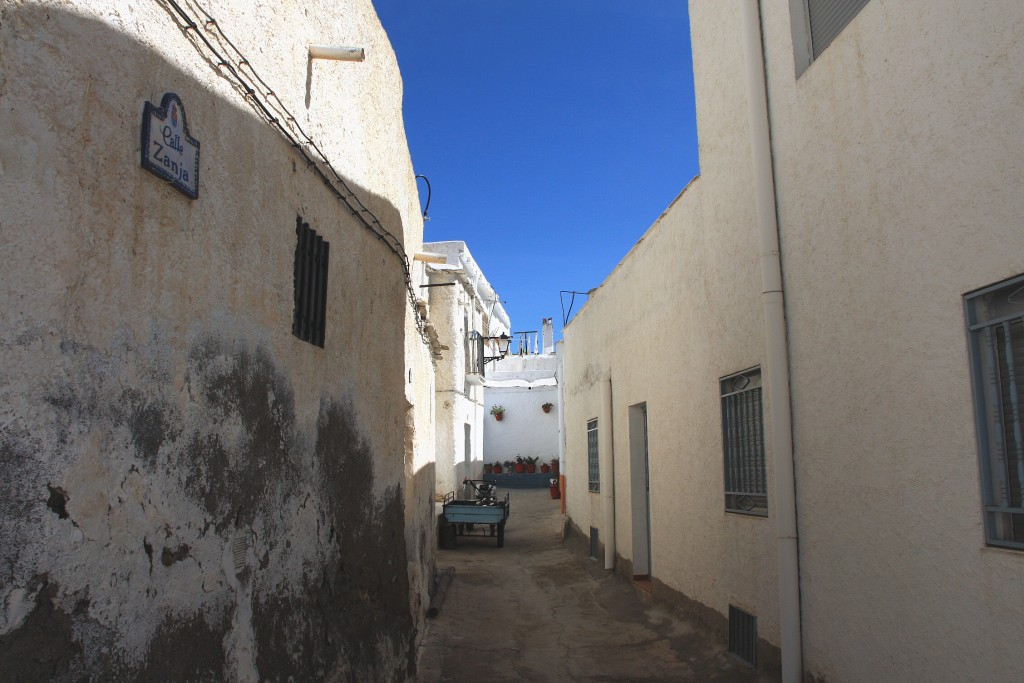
[548, 335]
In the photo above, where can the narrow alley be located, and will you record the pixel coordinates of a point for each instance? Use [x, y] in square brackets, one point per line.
[536, 610]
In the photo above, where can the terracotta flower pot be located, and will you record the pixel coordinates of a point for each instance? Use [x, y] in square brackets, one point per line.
[554, 467]
[497, 469]
[544, 469]
[555, 491]
[546, 408]
[520, 468]
[488, 468]
[498, 416]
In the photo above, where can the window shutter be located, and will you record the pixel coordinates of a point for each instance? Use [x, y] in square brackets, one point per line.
[828, 18]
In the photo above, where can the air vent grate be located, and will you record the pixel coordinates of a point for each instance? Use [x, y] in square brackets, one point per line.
[743, 635]
[240, 548]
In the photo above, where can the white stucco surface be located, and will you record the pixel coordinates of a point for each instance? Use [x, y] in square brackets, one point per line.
[522, 384]
[462, 302]
[898, 166]
[172, 454]
[896, 160]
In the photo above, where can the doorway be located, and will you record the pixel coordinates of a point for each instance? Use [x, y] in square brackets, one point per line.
[467, 466]
[640, 489]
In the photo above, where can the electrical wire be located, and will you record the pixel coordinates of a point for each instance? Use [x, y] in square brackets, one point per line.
[429, 193]
[267, 104]
[572, 300]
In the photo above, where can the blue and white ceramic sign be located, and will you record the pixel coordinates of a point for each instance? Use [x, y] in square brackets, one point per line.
[168, 150]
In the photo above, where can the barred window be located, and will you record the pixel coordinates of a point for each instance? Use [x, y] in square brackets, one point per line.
[311, 260]
[995, 318]
[593, 464]
[746, 483]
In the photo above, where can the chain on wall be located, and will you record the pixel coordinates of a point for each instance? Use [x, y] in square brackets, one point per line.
[203, 31]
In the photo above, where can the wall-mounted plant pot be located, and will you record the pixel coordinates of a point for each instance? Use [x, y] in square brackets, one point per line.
[498, 416]
[546, 408]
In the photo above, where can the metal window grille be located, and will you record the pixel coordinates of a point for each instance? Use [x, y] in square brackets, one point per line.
[593, 463]
[311, 259]
[743, 635]
[828, 18]
[995, 319]
[746, 481]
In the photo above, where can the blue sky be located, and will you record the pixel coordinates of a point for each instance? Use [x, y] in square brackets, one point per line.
[554, 133]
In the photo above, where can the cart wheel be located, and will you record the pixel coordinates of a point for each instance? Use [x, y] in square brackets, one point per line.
[446, 534]
[501, 535]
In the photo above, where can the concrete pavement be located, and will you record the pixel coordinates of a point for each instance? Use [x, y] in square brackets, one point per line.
[535, 611]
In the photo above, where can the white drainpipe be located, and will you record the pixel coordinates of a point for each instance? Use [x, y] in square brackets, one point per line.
[607, 471]
[776, 345]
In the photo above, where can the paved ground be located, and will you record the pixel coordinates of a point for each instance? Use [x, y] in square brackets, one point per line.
[534, 611]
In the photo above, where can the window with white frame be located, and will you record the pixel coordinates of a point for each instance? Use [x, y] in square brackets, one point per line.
[995, 319]
[593, 463]
[746, 481]
[816, 23]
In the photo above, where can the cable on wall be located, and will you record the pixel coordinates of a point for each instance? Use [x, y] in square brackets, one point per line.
[240, 73]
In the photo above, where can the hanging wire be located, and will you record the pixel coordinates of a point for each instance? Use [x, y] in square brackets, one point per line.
[572, 300]
[429, 193]
[267, 104]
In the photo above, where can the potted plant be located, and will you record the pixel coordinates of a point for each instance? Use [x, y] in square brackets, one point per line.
[488, 468]
[520, 464]
[496, 468]
[498, 412]
[547, 407]
[544, 468]
[510, 467]
[554, 488]
[531, 464]
[554, 465]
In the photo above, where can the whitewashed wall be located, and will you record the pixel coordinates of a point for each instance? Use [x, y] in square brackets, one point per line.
[180, 474]
[899, 165]
[897, 161]
[470, 304]
[525, 429]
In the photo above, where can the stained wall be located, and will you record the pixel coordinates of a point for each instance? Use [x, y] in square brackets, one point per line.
[188, 490]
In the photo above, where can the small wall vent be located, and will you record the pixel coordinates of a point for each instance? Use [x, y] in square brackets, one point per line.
[743, 635]
[239, 547]
[595, 543]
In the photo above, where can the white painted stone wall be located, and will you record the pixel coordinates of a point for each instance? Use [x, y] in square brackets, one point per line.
[470, 304]
[624, 330]
[180, 473]
[525, 429]
[898, 162]
[897, 158]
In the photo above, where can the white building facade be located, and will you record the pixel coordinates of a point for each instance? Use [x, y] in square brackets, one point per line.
[524, 385]
[846, 480]
[463, 307]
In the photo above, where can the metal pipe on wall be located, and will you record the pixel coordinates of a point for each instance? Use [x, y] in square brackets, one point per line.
[776, 343]
[606, 461]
